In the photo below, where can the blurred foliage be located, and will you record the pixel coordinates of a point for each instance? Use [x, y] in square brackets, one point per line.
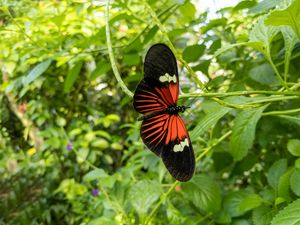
[69, 139]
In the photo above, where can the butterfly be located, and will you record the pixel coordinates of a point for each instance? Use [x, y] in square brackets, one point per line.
[162, 130]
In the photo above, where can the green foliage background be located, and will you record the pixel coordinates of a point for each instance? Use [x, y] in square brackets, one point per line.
[69, 139]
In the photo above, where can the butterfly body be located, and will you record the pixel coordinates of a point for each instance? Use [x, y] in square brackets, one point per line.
[162, 130]
[170, 110]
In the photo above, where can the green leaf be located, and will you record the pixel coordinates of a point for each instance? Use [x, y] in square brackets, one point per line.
[72, 76]
[94, 175]
[244, 5]
[226, 48]
[204, 192]
[287, 17]
[290, 40]
[71, 188]
[209, 121]
[214, 23]
[100, 143]
[232, 202]
[250, 202]
[143, 194]
[102, 220]
[276, 171]
[297, 163]
[37, 71]
[100, 69]
[295, 182]
[262, 215]
[243, 132]
[264, 6]
[283, 187]
[193, 52]
[289, 215]
[132, 59]
[261, 36]
[264, 74]
[188, 11]
[202, 66]
[293, 147]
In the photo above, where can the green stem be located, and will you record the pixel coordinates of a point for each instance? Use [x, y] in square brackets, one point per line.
[178, 56]
[272, 99]
[237, 93]
[291, 58]
[283, 112]
[295, 87]
[213, 145]
[277, 72]
[162, 199]
[111, 54]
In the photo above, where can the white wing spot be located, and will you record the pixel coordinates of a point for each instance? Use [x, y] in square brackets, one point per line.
[181, 145]
[168, 78]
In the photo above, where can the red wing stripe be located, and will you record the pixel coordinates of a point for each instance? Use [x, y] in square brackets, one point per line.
[182, 131]
[155, 132]
[174, 89]
[150, 99]
[150, 93]
[169, 130]
[161, 135]
[165, 95]
[157, 125]
[149, 105]
[148, 123]
[149, 110]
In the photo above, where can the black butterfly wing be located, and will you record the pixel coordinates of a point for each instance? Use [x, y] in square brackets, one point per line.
[164, 134]
[160, 87]
[167, 136]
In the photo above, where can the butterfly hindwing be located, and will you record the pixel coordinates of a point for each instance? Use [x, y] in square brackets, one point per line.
[167, 136]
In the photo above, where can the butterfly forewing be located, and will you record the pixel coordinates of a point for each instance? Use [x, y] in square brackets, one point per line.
[162, 132]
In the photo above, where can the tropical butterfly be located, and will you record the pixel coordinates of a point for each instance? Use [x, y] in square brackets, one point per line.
[162, 130]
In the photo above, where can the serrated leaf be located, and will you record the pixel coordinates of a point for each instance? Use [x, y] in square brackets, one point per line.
[72, 76]
[276, 171]
[37, 71]
[264, 6]
[209, 121]
[262, 215]
[295, 181]
[293, 147]
[243, 132]
[250, 202]
[193, 52]
[287, 17]
[143, 194]
[261, 36]
[290, 40]
[204, 192]
[289, 215]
